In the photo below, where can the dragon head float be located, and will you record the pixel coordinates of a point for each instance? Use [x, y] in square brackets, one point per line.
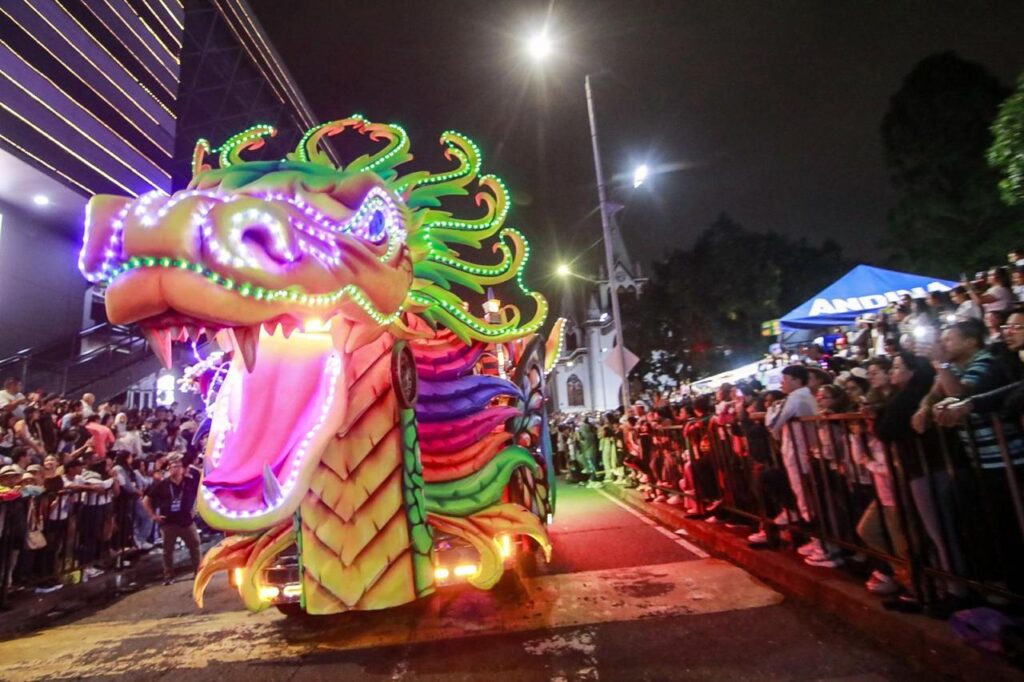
[330, 286]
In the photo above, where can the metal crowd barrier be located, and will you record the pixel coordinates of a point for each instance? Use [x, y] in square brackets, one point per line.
[78, 536]
[948, 524]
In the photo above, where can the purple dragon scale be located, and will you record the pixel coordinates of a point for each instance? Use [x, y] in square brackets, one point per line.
[444, 401]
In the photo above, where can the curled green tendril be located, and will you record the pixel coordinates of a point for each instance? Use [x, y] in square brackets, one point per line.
[308, 150]
[444, 269]
[472, 232]
[202, 148]
[252, 138]
[384, 161]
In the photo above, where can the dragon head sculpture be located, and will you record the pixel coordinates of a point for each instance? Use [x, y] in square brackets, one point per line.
[294, 265]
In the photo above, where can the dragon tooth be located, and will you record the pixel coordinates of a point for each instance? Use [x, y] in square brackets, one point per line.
[191, 333]
[270, 327]
[225, 339]
[160, 343]
[247, 340]
[287, 327]
[271, 488]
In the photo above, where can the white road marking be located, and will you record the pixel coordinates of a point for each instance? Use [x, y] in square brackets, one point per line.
[565, 644]
[686, 544]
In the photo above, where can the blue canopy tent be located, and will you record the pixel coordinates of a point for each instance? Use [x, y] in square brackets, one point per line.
[863, 289]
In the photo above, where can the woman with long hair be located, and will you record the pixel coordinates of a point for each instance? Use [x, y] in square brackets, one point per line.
[930, 485]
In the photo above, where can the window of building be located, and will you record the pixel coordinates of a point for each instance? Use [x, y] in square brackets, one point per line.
[574, 391]
[165, 389]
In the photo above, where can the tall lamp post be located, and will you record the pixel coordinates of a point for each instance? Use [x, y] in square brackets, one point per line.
[539, 48]
[606, 232]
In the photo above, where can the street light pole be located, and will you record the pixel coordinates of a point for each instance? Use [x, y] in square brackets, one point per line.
[607, 232]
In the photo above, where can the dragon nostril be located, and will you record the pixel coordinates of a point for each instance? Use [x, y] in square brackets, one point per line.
[375, 230]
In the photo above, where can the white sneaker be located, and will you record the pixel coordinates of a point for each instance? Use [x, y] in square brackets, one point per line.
[812, 547]
[676, 500]
[885, 587]
[758, 538]
[661, 497]
[146, 546]
[93, 572]
[876, 577]
[782, 519]
[47, 589]
[823, 560]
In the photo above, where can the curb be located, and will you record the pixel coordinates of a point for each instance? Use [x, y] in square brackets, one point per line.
[31, 612]
[929, 642]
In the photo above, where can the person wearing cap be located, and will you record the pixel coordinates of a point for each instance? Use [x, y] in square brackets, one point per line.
[171, 502]
[37, 472]
[10, 477]
[15, 518]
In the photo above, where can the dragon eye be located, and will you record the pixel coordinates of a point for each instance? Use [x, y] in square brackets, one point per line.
[376, 229]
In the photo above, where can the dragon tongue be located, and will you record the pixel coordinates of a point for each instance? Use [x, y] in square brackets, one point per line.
[246, 341]
[160, 342]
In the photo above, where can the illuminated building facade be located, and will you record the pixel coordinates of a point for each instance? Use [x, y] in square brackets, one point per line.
[110, 97]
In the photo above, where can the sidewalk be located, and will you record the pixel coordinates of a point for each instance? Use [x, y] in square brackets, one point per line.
[926, 640]
[27, 611]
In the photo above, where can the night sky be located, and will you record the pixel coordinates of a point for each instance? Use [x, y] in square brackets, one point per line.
[769, 111]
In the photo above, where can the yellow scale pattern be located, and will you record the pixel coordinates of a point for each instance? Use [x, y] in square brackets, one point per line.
[355, 536]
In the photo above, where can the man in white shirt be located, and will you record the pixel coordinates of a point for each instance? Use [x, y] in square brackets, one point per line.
[800, 402]
[11, 397]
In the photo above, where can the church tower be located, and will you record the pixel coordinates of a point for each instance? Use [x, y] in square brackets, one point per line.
[586, 378]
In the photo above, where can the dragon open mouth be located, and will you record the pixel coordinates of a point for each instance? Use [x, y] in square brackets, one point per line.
[273, 413]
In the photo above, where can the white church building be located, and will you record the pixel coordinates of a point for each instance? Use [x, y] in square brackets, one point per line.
[586, 377]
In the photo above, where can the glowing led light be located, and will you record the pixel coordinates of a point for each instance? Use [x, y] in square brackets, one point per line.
[66, 148]
[563, 270]
[441, 573]
[237, 575]
[466, 570]
[92, 7]
[505, 543]
[101, 71]
[315, 325]
[41, 200]
[539, 46]
[268, 593]
[640, 174]
[292, 590]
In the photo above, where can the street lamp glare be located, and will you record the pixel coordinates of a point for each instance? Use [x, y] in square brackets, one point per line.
[539, 46]
[640, 174]
[563, 270]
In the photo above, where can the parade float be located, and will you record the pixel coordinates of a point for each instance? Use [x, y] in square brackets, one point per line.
[372, 437]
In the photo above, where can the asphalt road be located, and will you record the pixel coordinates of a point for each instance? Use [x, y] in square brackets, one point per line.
[623, 599]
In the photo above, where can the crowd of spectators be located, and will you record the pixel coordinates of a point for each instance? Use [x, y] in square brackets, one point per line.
[896, 452]
[74, 479]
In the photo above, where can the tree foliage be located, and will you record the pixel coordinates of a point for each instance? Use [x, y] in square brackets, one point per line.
[949, 216]
[1006, 154]
[702, 310]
